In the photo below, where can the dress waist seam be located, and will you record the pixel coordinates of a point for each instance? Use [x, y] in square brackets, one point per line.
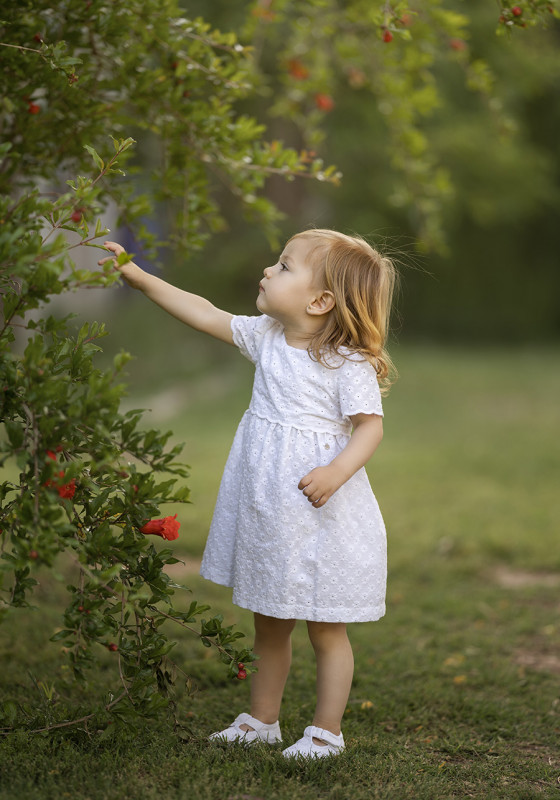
[334, 430]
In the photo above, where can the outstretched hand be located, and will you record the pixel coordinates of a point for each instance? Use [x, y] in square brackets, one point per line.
[320, 484]
[130, 271]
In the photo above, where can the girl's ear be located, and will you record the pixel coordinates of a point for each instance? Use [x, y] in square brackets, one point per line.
[321, 304]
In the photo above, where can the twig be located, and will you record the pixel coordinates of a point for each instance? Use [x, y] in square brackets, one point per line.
[6, 731]
[120, 663]
[197, 633]
[21, 47]
[33, 422]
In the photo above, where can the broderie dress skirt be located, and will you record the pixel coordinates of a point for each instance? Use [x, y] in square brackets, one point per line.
[283, 557]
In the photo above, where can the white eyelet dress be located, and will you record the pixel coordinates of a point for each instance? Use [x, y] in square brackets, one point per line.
[283, 557]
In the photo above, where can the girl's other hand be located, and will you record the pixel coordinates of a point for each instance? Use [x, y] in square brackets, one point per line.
[320, 484]
[130, 271]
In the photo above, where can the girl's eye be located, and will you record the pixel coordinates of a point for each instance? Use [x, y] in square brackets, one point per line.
[283, 266]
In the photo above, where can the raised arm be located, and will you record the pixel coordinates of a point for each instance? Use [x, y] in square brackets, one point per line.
[193, 310]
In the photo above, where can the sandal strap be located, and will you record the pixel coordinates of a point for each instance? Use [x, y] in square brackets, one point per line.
[247, 719]
[325, 736]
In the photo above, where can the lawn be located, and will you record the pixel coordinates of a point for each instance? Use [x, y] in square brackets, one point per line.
[456, 691]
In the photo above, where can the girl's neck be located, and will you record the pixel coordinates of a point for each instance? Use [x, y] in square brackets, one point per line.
[300, 335]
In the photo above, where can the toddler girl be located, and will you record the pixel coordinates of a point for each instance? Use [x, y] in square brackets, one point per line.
[297, 531]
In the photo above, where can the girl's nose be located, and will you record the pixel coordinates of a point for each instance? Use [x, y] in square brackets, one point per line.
[266, 270]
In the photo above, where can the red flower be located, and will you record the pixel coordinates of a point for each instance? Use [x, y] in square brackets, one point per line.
[457, 44]
[516, 11]
[324, 102]
[167, 528]
[67, 490]
[298, 70]
[33, 108]
[387, 36]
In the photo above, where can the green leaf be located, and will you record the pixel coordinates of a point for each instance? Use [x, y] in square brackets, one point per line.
[63, 634]
[96, 157]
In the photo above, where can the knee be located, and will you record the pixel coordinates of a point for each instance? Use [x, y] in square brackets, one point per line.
[272, 627]
[324, 635]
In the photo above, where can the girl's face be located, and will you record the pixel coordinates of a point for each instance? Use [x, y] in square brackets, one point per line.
[290, 285]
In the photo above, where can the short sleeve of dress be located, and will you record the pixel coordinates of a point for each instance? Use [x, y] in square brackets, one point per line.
[358, 388]
[248, 334]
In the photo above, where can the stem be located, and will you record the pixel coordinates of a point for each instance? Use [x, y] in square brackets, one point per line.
[21, 47]
[85, 241]
[12, 315]
[79, 632]
[33, 422]
[193, 630]
[7, 731]
[102, 174]
[120, 663]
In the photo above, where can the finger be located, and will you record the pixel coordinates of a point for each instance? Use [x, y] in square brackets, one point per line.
[104, 260]
[114, 248]
[305, 481]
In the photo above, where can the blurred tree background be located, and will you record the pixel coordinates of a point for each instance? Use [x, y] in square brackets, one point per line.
[443, 120]
[496, 277]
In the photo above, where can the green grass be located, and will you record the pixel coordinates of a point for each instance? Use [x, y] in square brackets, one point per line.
[456, 689]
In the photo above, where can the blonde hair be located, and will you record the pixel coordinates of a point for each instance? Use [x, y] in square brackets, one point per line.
[362, 282]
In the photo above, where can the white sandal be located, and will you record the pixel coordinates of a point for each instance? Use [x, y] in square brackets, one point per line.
[306, 747]
[261, 731]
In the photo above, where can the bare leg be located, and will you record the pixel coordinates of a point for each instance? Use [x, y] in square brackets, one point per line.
[335, 668]
[273, 645]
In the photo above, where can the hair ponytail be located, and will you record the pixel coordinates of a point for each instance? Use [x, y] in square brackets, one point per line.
[362, 282]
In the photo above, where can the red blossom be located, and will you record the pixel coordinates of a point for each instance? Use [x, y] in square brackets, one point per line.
[66, 490]
[324, 102]
[387, 36]
[457, 44]
[297, 69]
[167, 528]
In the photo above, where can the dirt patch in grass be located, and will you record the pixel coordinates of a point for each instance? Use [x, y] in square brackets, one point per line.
[510, 578]
[540, 662]
[539, 751]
